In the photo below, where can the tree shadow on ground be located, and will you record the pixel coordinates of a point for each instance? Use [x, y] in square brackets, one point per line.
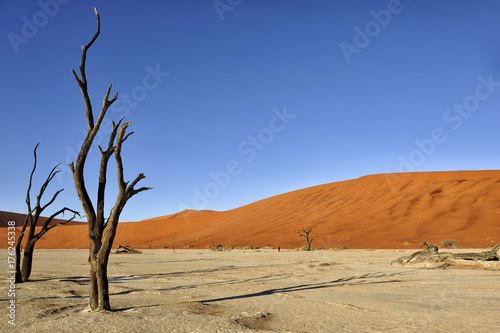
[190, 273]
[351, 281]
[266, 278]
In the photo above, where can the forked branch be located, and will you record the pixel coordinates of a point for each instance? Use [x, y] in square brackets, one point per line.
[46, 226]
[129, 190]
[82, 82]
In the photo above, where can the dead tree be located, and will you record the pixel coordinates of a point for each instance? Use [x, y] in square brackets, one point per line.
[432, 258]
[304, 232]
[23, 270]
[101, 230]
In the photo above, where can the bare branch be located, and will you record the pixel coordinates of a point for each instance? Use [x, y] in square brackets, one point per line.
[105, 105]
[106, 102]
[82, 81]
[105, 155]
[126, 136]
[28, 200]
[46, 226]
[118, 157]
[61, 211]
[44, 187]
[86, 47]
[51, 200]
[77, 168]
[134, 192]
[304, 232]
[38, 209]
[47, 181]
[135, 181]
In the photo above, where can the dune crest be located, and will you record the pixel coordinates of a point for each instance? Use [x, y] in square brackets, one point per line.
[183, 214]
[376, 211]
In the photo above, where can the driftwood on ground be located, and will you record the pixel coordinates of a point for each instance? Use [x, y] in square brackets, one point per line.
[126, 249]
[432, 258]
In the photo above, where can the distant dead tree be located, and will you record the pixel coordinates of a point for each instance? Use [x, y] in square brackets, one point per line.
[100, 244]
[304, 232]
[23, 271]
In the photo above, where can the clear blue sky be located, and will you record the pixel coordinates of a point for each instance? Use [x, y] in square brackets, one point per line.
[234, 101]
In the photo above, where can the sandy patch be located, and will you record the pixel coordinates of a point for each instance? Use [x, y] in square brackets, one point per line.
[244, 291]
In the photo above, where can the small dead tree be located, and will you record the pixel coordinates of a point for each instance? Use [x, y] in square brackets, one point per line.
[101, 230]
[23, 270]
[304, 232]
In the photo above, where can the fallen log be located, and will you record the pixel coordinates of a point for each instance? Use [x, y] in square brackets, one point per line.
[432, 258]
[126, 249]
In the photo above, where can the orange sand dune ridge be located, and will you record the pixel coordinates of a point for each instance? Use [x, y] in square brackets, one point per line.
[377, 211]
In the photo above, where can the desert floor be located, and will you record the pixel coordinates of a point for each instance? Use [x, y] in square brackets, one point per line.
[266, 290]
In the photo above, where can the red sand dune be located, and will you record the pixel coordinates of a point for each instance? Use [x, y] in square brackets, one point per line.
[5, 217]
[377, 211]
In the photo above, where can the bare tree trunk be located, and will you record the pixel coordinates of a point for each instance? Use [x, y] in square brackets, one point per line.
[99, 292]
[27, 261]
[308, 243]
[102, 284]
[19, 276]
[95, 244]
[93, 288]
